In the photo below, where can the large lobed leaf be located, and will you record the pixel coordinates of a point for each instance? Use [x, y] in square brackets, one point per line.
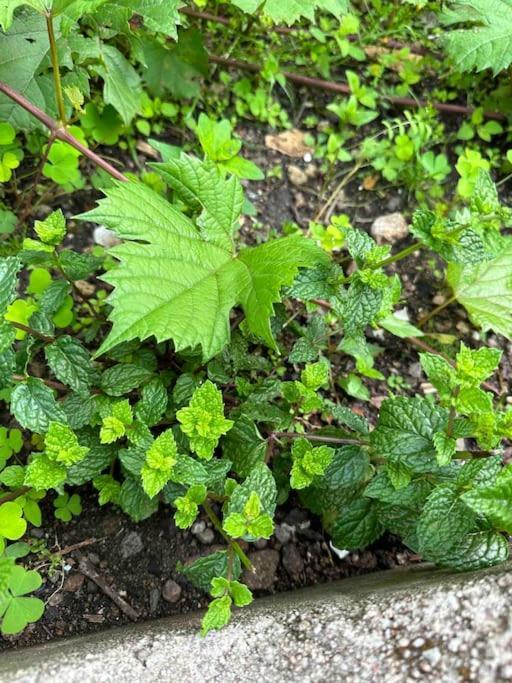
[485, 41]
[177, 281]
[485, 291]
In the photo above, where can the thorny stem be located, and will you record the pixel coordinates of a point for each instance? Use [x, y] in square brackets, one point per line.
[59, 132]
[59, 96]
[232, 544]
[435, 311]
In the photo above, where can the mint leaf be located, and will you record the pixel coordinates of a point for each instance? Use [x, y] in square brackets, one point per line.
[405, 431]
[443, 521]
[122, 378]
[494, 501]
[9, 267]
[70, 362]
[356, 525]
[217, 615]
[34, 406]
[201, 572]
[476, 551]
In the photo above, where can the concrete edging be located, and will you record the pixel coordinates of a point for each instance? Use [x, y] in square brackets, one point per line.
[395, 626]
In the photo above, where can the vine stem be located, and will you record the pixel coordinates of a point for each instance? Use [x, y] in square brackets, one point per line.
[425, 318]
[232, 544]
[59, 96]
[319, 437]
[59, 132]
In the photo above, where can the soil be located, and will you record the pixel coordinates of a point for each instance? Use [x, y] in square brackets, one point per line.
[138, 561]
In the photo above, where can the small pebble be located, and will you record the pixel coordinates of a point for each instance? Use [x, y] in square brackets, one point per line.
[171, 591]
[206, 537]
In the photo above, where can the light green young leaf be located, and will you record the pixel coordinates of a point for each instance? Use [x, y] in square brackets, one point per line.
[42, 473]
[217, 616]
[53, 229]
[177, 285]
[61, 445]
[290, 11]
[12, 524]
[203, 420]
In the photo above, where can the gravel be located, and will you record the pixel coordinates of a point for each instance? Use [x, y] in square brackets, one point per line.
[391, 627]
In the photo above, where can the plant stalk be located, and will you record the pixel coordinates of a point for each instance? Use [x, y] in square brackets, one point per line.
[59, 95]
[318, 437]
[424, 319]
[59, 132]
[29, 330]
[233, 544]
[399, 255]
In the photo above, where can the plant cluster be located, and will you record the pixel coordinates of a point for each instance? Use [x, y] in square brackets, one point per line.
[171, 370]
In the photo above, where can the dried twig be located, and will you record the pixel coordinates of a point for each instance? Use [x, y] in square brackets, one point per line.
[89, 570]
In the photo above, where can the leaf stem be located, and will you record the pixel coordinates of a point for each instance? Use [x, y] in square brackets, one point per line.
[59, 96]
[436, 310]
[233, 544]
[399, 255]
[29, 330]
[319, 437]
[12, 495]
[60, 133]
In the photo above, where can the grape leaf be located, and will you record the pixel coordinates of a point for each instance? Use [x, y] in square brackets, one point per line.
[485, 291]
[484, 41]
[178, 286]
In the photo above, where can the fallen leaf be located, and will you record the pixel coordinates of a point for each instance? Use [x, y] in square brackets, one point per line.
[289, 142]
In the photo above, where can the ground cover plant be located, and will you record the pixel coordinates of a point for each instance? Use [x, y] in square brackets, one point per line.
[220, 371]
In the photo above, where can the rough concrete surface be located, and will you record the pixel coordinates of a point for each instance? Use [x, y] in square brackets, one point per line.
[396, 626]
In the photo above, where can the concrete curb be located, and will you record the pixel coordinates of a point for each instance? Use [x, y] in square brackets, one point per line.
[389, 627]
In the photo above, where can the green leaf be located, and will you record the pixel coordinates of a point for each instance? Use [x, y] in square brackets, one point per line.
[61, 445]
[135, 502]
[405, 431]
[201, 186]
[244, 446]
[20, 613]
[122, 378]
[34, 406]
[201, 572]
[356, 525]
[43, 473]
[24, 47]
[177, 285]
[484, 41]
[485, 291]
[70, 362]
[12, 524]
[476, 551]
[122, 87]
[494, 501]
[160, 460]
[9, 268]
[308, 462]
[153, 403]
[261, 481]
[203, 420]
[53, 229]
[445, 519]
[240, 593]
[290, 11]
[218, 614]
